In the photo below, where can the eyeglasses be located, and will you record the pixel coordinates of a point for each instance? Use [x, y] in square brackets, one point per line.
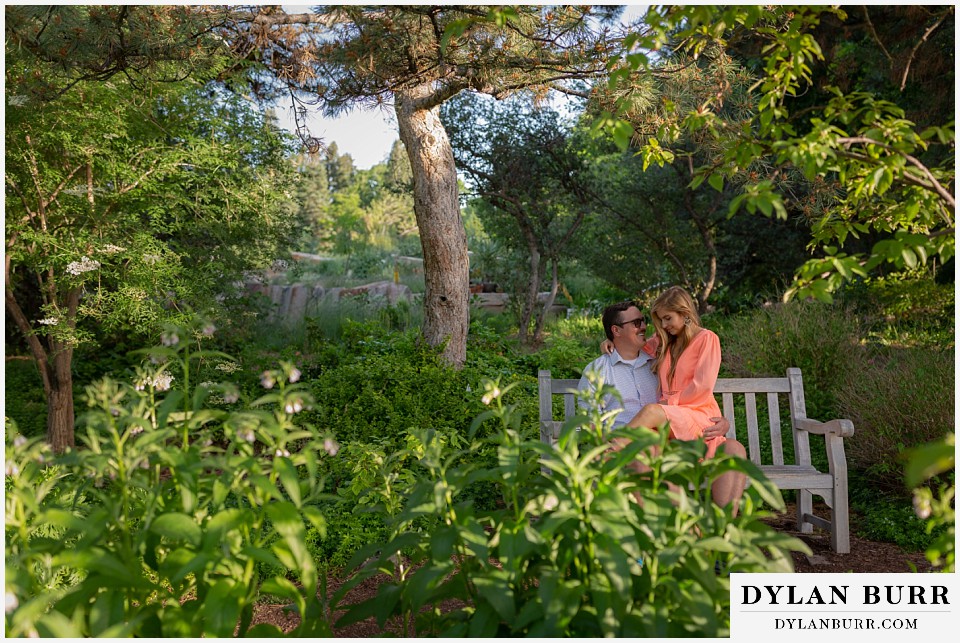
[638, 323]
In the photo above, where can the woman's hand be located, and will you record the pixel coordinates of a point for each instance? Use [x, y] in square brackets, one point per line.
[606, 347]
[720, 428]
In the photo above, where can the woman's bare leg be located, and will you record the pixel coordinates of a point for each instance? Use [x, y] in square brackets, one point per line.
[728, 487]
[651, 416]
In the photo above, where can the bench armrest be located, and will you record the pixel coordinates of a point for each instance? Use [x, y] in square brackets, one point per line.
[842, 428]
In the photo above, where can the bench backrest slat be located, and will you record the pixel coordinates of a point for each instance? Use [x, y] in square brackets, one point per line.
[798, 409]
[773, 412]
[753, 427]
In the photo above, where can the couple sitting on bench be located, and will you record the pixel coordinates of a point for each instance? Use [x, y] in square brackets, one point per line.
[668, 378]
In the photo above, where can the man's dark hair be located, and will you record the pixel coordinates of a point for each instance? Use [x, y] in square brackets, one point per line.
[611, 315]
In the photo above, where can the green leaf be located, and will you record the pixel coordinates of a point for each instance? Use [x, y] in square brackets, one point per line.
[716, 181]
[222, 607]
[177, 527]
[929, 460]
[288, 478]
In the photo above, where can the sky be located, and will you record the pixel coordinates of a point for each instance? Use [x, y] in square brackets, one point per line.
[366, 135]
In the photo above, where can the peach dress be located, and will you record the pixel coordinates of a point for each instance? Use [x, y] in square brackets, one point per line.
[688, 402]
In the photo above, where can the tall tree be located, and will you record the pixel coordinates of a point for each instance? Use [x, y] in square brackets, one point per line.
[520, 163]
[419, 57]
[120, 203]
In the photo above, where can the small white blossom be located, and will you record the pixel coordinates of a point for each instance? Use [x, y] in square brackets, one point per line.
[922, 506]
[228, 367]
[10, 602]
[294, 406]
[491, 394]
[158, 359]
[282, 453]
[266, 379]
[330, 446]
[49, 321]
[151, 259]
[136, 430]
[295, 375]
[19, 441]
[208, 330]
[551, 502]
[169, 339]
[86, 264]
[110, 249]
[12, 469]
[230, 394]
[247, 435]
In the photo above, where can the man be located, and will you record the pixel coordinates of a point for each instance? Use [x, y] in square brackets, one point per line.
[627, 369]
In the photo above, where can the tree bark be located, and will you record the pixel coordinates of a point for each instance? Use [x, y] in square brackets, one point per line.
[60, 415]
[446, 312]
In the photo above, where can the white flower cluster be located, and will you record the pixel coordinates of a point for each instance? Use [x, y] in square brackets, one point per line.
[228, 367]
[17, 101]
[160, 382]
[86, 264]
[49, 321]
[151, 259]
[111, 249]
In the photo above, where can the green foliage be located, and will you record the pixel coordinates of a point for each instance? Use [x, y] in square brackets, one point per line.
[888, 518]
[823, 341]
[901, 399]
[891, 178]
[906, 309]
[23, 398]
[355, 212]
[163, 523]
[570, 553]
[925, 462]
[384, 384]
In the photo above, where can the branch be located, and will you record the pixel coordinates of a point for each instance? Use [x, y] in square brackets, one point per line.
[933, 186]
[876, 37]
[916, 47]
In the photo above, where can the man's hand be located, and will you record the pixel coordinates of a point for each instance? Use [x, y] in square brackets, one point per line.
[719, 428]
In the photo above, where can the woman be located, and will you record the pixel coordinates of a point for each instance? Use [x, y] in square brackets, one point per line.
[686, 362]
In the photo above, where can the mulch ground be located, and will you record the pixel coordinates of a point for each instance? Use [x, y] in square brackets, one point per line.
[865, 556]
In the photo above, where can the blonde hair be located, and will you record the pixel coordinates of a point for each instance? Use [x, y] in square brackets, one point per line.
[676, 300]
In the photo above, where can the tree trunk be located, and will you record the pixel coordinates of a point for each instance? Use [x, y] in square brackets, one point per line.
[548, 303]
[529, 303]
[446, 267]
[59, 385]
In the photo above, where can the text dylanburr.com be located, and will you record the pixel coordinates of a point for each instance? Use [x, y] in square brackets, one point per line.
[847, 607]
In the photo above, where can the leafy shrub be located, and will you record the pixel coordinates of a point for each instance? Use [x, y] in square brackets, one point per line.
[903, 398]
[570, 553]
[823, 341]
[925, 463]
[164, 523]
[24, 399]
[906, 309]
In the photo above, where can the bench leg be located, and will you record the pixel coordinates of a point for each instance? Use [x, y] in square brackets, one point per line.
[804, 507]
[840, 523]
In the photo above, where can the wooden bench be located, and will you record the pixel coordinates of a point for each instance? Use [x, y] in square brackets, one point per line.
[801, 475]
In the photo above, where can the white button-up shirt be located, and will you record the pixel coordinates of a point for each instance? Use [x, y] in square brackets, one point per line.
[633, 379]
